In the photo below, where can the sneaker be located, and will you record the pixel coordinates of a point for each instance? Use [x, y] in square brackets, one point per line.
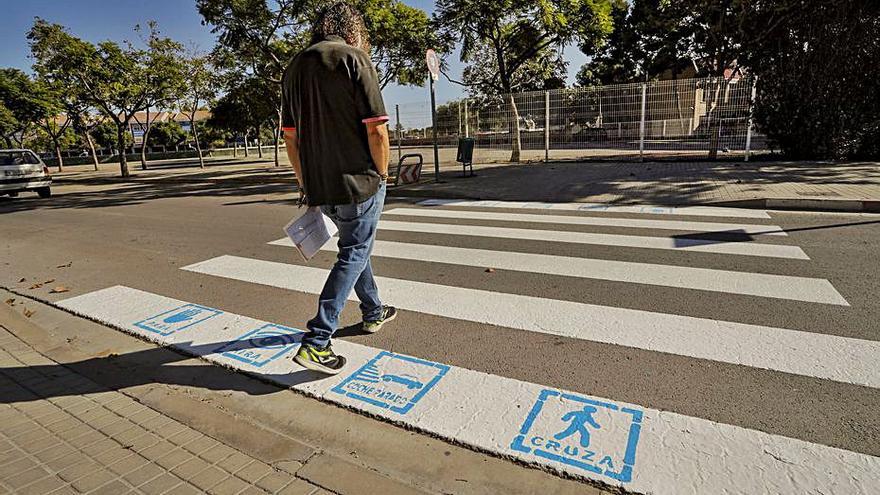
[320, 360]
[388, 313]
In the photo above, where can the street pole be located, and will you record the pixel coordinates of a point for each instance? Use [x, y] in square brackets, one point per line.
[398, 129]
[467, 132]
[642, 124]
[751, 123]
[546, 126]
[434, 132]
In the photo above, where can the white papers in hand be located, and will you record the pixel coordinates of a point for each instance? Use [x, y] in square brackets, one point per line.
[310, 232]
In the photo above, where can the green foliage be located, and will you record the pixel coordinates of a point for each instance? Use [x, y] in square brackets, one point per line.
[245, 108]
[517, 31]
[168, 134]
[118, 80]
[104, 135]
[818, 92]
[400, 36]
[24, 105]
[662, 39]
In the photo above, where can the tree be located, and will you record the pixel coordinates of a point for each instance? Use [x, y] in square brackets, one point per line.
[200, 83]
[166, 134]
[113, 78]
[105, 135]
[54, 121]
[164, 79]
[817, 93]
[24, 106]
[400, 36]
[245, 108]
[517, 31]
[260, 37]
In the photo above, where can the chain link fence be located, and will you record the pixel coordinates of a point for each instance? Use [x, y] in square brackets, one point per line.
[704, 118]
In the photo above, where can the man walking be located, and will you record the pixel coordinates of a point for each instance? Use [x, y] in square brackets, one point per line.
[334, 124]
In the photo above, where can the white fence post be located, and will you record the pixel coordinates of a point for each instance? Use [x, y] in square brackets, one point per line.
[546, 126]
[467, 132]
[751, 112]
[642, 123]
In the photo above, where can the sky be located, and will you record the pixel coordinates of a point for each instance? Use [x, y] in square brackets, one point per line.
[99, 20]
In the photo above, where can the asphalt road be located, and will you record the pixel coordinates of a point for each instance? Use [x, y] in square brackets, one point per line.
[141, 237]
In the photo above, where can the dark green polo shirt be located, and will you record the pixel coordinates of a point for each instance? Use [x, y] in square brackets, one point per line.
[330, 90]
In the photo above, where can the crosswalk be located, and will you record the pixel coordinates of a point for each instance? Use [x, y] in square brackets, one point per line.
[633, 446]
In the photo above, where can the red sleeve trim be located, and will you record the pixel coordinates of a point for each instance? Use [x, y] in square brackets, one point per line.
[381, 118]
[288, 128]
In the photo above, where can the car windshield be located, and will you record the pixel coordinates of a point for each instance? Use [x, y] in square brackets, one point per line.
[18, 158]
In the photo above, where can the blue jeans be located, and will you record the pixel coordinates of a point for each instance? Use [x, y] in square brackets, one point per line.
[357, 225]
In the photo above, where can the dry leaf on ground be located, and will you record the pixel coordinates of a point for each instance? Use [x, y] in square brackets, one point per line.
[59, 290]
[28, 313]
[67, 265]
[22, 280]
[47, 282]
[490, 270]
[10, 301]
[35, 286]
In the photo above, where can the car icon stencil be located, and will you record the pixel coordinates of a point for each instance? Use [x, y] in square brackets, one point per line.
[408, 381]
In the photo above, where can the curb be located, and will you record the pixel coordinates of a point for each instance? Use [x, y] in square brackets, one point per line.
[806, 204]
[837, 205]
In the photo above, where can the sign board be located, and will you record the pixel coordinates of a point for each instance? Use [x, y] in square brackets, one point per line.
[433, 63]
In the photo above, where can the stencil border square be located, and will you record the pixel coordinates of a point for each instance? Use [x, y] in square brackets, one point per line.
[142, 325]
[629, 456]
[443, 369]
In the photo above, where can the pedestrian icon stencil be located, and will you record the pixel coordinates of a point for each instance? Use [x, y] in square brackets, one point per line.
[596, 436]
[177, 319]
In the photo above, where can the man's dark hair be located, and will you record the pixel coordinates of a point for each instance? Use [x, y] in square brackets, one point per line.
[343, 20]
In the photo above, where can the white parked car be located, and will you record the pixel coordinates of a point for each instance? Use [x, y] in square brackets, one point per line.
[22, 170]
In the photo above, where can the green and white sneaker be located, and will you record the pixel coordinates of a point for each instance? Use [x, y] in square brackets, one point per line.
[388, 313]
[320, 360]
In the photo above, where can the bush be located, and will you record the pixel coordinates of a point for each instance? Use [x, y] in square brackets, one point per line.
[818, 91]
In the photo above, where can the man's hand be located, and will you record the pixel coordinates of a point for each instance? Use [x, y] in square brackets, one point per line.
[380, 146]
[291, 142]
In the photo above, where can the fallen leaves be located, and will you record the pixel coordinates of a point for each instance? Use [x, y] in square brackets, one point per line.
[58, 290]
[35, 286]
[28, 313]
[490, 270]
[22, 280]
[10, 301]
[66, 265]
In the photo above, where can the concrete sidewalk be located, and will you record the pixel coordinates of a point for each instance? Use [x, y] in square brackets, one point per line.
[775, 185]
[88, 409]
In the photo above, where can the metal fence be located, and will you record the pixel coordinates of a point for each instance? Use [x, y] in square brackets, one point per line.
[703, 118]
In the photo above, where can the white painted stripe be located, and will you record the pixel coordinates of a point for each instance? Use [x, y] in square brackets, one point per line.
[667, 453]
[699, 211]
[828, 357]
[753, 284]
[636, 223]
[634, 241]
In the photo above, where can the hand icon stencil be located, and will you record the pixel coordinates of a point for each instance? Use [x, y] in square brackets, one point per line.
[182, 316]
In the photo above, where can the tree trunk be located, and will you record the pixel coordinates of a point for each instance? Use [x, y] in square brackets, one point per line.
[120, 144]
[144, 141]
[515, 142]
[277, 134]
[713, 122]
[246, 147]
[235, 147]
[58, 154]
[259, 145]
[8, 141]
[92, 149]
[195, 131]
